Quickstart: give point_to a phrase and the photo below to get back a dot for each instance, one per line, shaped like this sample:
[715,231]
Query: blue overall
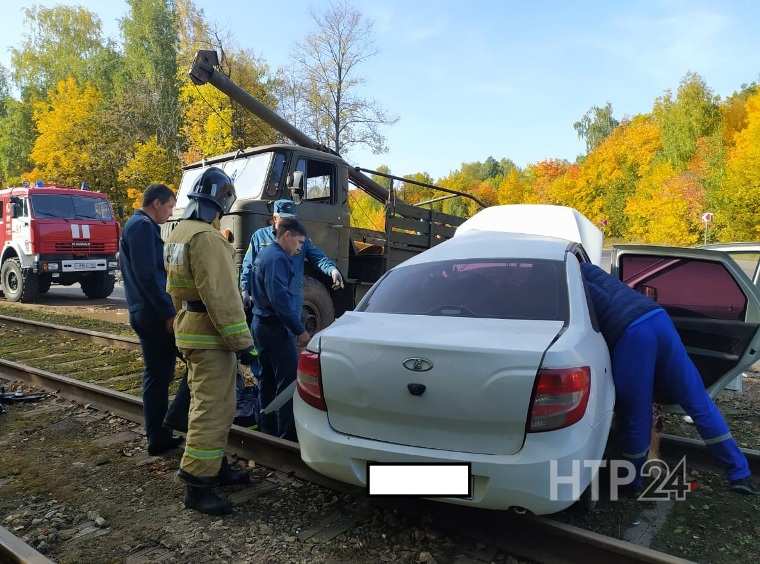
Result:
[647,355]
[263,238]
[276,319]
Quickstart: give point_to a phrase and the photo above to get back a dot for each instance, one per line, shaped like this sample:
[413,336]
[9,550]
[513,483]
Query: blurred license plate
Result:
[428,480]
[79,265]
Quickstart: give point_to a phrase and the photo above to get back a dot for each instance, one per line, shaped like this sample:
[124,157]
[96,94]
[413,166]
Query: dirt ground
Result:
[77,484]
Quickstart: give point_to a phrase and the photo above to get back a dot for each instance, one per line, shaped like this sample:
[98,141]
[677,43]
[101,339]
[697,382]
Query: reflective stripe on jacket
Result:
[200,267]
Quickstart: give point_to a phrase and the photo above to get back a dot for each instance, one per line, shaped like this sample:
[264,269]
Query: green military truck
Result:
[318,180]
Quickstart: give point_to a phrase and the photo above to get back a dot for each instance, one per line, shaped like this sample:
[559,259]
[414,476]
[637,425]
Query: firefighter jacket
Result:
[201,276]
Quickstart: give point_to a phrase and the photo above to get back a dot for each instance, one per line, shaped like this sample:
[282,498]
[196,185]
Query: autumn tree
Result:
[738,216]
[150,163]
[329,60]
[67,127]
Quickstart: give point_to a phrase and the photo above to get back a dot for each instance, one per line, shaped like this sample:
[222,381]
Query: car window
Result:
[483,288]
[319,177]
[685,287]
[747,261]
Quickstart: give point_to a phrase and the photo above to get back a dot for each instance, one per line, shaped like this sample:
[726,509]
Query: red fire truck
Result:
[56,235]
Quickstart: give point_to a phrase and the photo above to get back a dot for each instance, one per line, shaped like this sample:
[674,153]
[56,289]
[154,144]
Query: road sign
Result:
[707,217]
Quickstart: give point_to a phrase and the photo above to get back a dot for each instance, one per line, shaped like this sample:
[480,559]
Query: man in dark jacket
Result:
[647,355]
[151,313]
[277,323]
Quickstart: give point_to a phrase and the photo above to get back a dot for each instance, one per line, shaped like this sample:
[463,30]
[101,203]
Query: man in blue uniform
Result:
[276,319]
[151,313]
[647,355]
[261,238]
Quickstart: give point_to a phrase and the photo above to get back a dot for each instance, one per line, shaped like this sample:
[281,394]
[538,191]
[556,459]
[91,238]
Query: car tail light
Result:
[310,380]
[559,398]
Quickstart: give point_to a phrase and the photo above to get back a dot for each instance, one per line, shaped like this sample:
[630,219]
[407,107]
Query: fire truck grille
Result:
[85,247]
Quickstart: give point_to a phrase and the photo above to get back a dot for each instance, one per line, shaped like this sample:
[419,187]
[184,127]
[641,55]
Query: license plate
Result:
[82,265]
[425,480]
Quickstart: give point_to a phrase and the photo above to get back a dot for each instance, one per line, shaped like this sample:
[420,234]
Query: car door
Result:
[711,300]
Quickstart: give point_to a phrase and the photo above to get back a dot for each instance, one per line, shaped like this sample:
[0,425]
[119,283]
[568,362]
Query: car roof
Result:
[493,244]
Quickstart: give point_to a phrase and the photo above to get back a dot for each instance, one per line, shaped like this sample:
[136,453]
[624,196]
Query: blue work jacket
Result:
[141,258]
[273,296]
[265,237]
[616,305]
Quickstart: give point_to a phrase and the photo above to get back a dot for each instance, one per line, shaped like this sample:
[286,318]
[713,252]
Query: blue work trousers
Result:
[279,362]
[650,356]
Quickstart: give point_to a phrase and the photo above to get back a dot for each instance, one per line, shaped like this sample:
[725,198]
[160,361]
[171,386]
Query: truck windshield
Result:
[65,206]
[248,174]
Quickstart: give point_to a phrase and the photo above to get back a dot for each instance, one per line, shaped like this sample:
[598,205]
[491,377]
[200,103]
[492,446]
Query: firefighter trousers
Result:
[211,379]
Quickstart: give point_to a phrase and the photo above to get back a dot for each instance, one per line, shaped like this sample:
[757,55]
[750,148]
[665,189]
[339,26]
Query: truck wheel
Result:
[45,281]
[18,286]
[98,285]
[318,310]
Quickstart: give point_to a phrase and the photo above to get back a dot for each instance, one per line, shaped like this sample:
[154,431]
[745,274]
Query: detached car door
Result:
[711,300]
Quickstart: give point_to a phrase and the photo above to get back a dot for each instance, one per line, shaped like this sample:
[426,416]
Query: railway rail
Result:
[535,538]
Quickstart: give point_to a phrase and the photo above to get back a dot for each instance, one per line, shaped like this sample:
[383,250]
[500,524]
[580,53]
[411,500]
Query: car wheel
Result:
[18,286]
[98,286]
[318,310]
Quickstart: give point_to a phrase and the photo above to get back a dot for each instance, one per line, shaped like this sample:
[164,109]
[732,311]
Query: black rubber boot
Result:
[201,496]
[743,486]
[229,476]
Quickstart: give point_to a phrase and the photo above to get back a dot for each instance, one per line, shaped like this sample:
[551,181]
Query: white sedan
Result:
[482,350]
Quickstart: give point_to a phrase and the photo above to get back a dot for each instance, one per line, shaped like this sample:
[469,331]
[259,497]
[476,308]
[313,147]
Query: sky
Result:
[469,80]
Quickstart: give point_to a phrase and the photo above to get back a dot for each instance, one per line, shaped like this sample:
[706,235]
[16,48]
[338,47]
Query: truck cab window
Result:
[275,176]
[319,177]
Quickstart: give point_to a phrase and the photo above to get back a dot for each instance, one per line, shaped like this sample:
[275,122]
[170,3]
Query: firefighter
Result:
[647,356]
[276,320]
[261,238]
[210,329]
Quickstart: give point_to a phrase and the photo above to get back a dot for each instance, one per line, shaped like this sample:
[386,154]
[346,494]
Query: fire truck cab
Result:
[56,235]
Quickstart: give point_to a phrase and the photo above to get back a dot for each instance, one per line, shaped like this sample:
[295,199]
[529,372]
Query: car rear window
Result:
[492,288]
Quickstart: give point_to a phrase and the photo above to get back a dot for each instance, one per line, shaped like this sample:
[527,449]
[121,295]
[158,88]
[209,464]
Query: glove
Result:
[248,356]
[337,279]
[247,301]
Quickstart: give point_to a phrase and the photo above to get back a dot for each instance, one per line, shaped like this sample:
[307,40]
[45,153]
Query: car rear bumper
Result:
[519,480]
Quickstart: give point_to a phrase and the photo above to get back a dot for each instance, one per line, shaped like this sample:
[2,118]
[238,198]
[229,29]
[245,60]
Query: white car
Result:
[483,350]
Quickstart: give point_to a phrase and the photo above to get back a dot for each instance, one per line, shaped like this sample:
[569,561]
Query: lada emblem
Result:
[418,364]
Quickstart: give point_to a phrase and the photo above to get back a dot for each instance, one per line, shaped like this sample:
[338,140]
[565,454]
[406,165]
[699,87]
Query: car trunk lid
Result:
[473,378]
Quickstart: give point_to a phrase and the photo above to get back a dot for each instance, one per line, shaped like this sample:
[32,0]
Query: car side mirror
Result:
[16,209]
[648,291]
[295,186]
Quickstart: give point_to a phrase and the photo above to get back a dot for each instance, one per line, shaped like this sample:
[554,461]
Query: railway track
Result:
[536,538]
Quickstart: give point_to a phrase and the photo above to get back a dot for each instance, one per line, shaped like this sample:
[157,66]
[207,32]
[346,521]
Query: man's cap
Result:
[285,208]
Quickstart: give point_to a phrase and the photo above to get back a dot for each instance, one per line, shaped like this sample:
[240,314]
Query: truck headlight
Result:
[113,264]
[52,265]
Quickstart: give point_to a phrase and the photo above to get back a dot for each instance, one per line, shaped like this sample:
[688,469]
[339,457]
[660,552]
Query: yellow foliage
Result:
[739,196]
[150,163]
[665,208]
[67,126]
[207,121]
[365,212]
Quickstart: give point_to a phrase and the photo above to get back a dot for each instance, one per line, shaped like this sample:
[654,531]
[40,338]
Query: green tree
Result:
[150,63]
[595,126]
[61,41]
[17,134]
[692,114]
